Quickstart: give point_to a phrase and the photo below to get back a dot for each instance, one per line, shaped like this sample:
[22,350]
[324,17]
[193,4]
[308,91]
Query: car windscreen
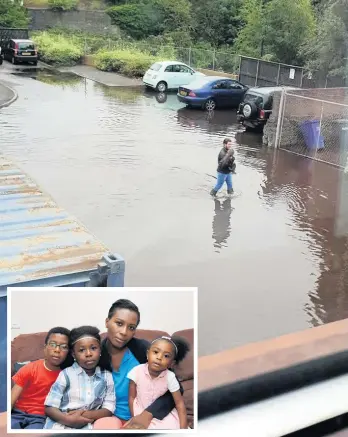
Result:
[26,45]
[156,67]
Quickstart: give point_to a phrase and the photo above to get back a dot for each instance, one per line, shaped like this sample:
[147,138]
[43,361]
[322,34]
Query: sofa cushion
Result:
[184,370]
[27,347]
[188,399]
[150,335]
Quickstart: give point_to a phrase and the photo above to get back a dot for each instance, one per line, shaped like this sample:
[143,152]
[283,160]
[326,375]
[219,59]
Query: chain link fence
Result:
[315,128]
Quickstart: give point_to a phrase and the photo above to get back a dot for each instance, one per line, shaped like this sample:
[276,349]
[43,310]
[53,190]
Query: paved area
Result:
[6,94]
[105,78]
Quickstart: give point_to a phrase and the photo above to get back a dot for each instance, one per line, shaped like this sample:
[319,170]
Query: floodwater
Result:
[136,168]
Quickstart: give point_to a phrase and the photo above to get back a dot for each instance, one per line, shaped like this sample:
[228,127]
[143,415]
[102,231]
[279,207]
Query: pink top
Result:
[149,389]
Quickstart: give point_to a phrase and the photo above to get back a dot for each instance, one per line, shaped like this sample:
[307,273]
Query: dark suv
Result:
[20,50]
[256,107]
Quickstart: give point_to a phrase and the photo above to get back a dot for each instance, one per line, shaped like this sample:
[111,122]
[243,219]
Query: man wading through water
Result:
[226,166]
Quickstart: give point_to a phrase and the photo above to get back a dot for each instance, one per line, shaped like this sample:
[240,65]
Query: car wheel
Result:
[35,63]
[162,87]
[210,105]
[249,110]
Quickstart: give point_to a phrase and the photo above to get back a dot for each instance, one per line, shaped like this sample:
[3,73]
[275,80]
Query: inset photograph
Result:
[102,359]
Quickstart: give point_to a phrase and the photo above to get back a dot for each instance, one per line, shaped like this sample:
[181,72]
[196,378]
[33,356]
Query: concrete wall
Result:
[34,310]
[89,21]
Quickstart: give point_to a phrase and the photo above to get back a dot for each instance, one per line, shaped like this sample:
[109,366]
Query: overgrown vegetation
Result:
[13,14]
[62,5]
[57,49]
[130,63]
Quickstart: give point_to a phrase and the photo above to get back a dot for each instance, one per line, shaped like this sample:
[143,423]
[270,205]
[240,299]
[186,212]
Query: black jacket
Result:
[226,162]
[164,404]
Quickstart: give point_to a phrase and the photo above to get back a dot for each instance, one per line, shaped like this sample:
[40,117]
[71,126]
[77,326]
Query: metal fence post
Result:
[278,76]
[214,59]
[301,78]
[190,52]
[240,66]
[280,120]
[257,72]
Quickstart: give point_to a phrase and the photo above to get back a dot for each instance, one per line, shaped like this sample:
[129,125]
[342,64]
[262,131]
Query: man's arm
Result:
[15,393]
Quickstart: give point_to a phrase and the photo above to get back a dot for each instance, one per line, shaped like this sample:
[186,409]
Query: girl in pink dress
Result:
[151,380]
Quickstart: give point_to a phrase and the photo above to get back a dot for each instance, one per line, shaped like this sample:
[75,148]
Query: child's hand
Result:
[76,419]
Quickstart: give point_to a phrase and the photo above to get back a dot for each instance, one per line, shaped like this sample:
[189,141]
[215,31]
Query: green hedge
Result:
[57,50]
[62,5]
[130,63]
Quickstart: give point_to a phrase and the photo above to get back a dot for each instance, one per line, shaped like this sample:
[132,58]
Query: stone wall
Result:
[88,21]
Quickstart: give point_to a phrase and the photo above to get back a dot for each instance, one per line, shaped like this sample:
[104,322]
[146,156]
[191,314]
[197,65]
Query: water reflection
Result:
[222,222]
[317,196]
[122,94]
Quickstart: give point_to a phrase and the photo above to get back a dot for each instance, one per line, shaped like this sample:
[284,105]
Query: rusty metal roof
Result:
[39,240]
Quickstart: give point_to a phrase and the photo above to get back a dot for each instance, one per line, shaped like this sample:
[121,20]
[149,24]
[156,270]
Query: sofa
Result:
[29,347]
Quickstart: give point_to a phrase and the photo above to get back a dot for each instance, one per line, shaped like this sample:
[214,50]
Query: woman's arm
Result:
[131,396]
[15,393]
[180,406]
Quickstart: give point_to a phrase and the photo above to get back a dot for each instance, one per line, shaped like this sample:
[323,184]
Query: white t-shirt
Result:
[173,384]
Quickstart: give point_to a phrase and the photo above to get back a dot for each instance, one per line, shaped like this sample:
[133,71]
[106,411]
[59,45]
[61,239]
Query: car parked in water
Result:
[256,107]
[212,92]
[20,50]
[169,75]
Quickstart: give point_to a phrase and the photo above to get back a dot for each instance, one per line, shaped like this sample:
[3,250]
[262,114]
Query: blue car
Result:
[211,92]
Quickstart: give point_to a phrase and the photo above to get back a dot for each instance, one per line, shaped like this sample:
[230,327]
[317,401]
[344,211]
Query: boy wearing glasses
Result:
[33,382]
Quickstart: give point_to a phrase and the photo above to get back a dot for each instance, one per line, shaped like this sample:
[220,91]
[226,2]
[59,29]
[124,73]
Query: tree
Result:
[216,21]
[287,25]
[13,14]
[249,40]
[275,29]
[326,52]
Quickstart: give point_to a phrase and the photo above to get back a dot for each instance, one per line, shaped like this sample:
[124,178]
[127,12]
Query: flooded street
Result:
[137,169]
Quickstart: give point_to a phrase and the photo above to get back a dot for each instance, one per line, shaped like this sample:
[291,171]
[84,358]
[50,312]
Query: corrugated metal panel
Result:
[38,239]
